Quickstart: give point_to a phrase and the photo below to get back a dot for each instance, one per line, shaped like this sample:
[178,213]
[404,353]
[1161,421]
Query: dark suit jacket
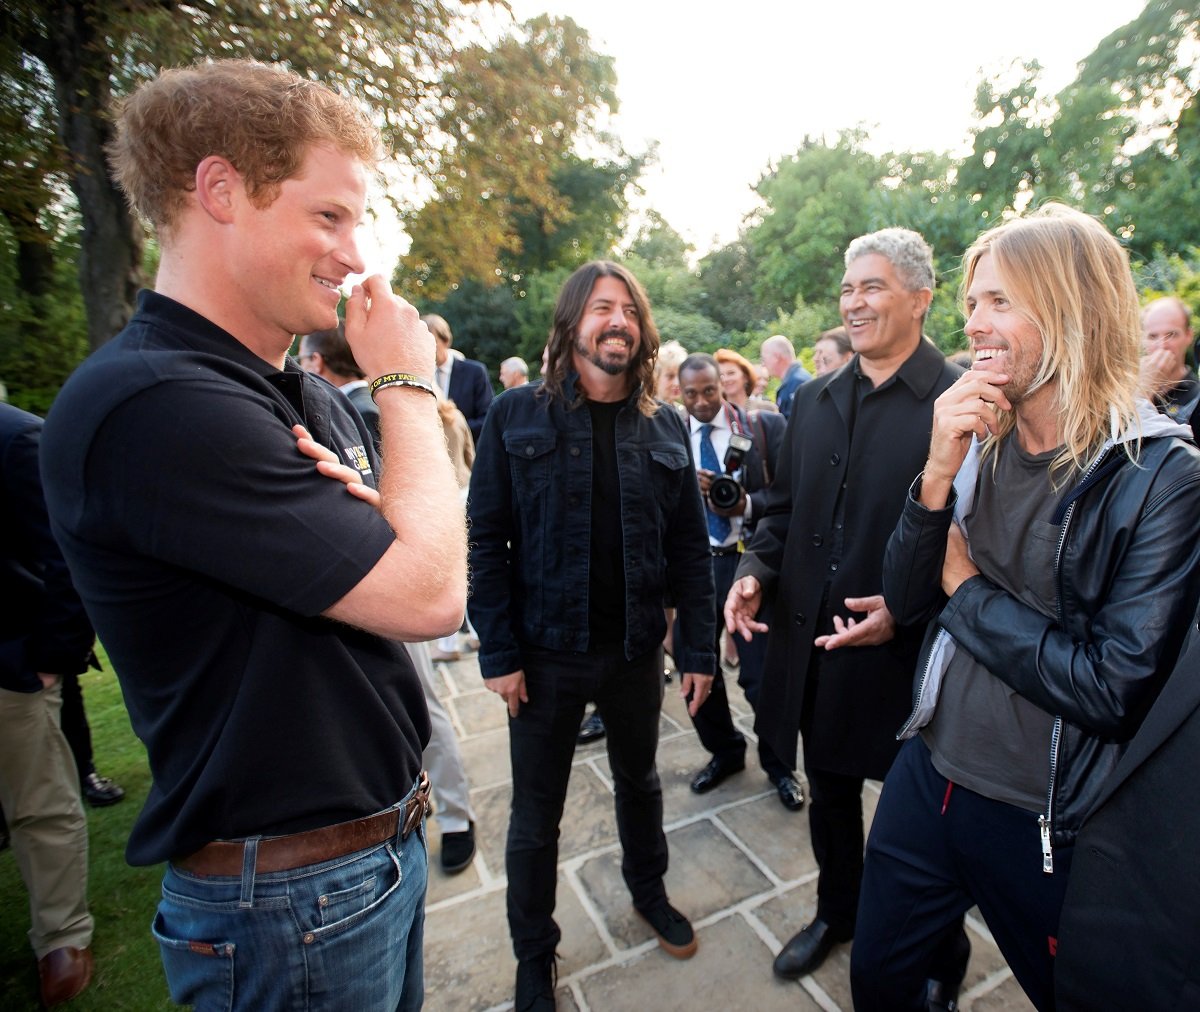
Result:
[827,522]
[1129,937]
[365,405]
[471,391]
[43,627]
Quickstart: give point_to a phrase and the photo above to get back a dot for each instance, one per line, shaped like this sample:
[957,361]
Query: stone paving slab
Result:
[741,868]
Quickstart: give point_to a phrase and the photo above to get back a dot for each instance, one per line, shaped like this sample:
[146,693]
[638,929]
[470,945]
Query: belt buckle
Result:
[417,806]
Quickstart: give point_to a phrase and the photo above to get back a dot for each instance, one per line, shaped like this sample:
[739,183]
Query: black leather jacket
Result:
[1127,571]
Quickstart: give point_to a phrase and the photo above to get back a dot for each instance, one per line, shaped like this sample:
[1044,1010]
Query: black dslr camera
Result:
[725,491]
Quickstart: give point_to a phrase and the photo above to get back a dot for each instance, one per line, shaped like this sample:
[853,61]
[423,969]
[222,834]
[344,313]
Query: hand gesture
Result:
[386,333]
[965,410]
[741,607]
[878,626]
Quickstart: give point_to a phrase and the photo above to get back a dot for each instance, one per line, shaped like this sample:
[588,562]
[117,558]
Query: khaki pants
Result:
[39,791]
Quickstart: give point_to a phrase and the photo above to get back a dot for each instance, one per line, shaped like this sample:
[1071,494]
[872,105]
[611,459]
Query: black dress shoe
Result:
[592,728]
[806,951]
[940,997]
[790,794]
[716,771]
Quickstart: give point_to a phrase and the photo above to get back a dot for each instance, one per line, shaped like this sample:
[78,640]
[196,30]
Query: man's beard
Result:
[596,356]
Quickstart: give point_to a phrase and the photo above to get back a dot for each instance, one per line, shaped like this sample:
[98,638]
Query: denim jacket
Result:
[530,535]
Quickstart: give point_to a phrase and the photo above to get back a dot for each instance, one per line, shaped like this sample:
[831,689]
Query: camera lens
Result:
[724,492]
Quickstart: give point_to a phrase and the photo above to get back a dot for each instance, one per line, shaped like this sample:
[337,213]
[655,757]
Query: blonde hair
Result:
[1065,274]
[670,356]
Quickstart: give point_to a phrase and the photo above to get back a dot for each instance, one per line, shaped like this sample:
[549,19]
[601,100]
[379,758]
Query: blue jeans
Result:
[343,934]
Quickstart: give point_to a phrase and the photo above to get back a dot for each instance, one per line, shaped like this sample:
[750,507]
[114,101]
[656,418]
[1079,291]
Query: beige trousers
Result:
[39,791]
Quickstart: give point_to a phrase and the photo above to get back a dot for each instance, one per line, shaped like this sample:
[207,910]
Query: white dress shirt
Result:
[720,434]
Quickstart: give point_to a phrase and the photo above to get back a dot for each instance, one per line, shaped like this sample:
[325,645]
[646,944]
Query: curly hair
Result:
[569,310]
[908,253]
[262,118]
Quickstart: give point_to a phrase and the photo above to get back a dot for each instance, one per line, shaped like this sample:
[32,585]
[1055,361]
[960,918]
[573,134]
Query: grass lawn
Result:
[123,899]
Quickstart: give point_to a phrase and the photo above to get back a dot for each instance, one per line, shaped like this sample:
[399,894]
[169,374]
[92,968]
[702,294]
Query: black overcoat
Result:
[829,515]
[1129,936]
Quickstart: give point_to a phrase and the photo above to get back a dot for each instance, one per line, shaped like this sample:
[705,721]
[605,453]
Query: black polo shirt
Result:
[205,548]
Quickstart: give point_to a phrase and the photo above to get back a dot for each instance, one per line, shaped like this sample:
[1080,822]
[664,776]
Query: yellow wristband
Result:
[401,379]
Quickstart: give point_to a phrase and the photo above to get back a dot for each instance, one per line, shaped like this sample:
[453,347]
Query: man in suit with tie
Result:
[463,381]
[712,425]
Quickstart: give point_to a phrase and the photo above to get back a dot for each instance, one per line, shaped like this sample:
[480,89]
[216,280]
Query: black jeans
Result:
[628,696]
[835,821]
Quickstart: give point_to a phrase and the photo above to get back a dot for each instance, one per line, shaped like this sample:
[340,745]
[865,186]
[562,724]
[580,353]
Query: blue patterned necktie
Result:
[718,527]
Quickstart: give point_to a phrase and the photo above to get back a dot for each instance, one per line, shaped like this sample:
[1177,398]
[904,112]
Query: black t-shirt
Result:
[205,547]
[606,568]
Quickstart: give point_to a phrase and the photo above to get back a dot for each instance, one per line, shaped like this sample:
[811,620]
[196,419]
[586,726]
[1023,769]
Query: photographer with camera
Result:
[736,453]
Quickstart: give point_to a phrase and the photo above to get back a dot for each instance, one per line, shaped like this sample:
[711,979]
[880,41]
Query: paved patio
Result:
[741,868]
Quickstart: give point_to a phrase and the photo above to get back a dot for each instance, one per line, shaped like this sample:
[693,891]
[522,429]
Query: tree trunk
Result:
[112,241]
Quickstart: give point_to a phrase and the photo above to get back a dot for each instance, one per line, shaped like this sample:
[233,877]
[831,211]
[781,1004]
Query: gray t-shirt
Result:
[984,735]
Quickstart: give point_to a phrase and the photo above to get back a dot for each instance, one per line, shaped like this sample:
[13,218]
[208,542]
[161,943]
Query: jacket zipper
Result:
[921,685]
[1046,821]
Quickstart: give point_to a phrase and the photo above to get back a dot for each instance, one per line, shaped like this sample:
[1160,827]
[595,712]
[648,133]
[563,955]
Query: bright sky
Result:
[727,88]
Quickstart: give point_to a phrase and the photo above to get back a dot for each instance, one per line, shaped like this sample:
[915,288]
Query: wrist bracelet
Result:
[401,379]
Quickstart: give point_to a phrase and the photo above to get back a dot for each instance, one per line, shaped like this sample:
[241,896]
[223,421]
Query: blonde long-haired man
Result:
[1053,632]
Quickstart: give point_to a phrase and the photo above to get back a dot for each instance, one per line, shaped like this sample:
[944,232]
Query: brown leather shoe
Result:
[64,973]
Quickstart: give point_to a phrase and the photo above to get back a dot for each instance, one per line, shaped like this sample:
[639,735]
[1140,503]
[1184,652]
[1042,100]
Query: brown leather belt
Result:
[283,853]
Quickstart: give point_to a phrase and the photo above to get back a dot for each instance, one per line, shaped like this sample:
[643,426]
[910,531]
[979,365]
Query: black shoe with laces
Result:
[674,931]
[536,978]
[99,791]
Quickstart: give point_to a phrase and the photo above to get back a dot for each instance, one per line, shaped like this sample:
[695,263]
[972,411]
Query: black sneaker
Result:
[536,978]
[674,931]
[458,850]
[99,791]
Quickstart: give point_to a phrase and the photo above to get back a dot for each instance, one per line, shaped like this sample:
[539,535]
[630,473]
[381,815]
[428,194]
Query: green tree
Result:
[505,176]
[816,202]
[727,287]
[87,52]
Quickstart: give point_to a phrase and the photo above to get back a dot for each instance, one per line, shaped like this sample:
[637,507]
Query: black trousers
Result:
[75,725]
[628,695]
[935,851]
[713,721]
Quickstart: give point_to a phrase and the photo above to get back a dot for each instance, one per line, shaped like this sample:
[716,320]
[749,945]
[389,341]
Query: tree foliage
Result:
[83,53]
[508,186]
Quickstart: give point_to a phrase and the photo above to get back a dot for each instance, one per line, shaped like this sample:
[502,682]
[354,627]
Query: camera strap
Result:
[756,431]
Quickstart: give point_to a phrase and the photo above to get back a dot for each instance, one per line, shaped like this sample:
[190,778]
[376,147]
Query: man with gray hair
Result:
[514,372]
[839,670]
